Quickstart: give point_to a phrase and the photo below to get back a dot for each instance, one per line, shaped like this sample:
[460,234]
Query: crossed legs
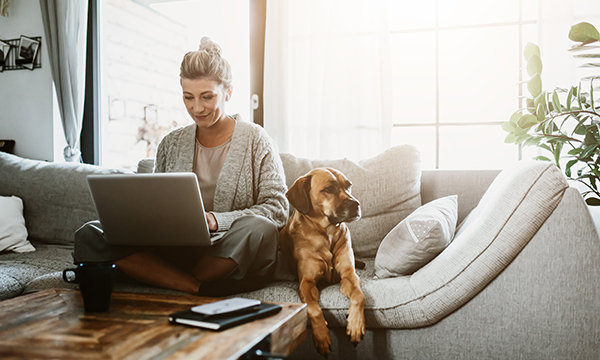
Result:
[247,250]
[151,269]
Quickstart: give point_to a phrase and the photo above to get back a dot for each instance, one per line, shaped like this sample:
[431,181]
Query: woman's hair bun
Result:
[206,62]
[206,44]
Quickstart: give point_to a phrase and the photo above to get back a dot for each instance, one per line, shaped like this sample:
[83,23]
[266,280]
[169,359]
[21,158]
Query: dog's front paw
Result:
[355,329]
[322,339]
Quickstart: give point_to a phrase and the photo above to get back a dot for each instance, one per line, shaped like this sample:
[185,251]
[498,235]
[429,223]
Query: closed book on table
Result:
[224,321]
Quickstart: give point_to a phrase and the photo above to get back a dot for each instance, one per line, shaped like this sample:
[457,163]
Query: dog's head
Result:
[324,192]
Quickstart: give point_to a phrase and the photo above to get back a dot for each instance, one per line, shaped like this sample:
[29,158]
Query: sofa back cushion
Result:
[387,185]
[55,196]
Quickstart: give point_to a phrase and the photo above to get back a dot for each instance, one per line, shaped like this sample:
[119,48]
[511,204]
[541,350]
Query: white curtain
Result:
[65,26]
[328,83]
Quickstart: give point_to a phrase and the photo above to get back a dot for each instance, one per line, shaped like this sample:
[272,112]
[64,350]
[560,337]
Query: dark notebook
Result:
[224,321]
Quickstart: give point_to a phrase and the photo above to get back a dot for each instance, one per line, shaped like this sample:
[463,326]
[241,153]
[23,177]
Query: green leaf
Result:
[584,47]
[530,105]
[569,166]
[532,141]
[541,158]
[540,113]
[570,97]
[557,152]
[590,139]
[556,102]
[508,126]
[534,65]
[546,147]
[575,151]
[541,100]
[520,131]
[587,56]
[592,201]
[587,152]
[534,85]
[514,118]
[511,138]
[521,139]
[527,121]
[531,49]
[584,32]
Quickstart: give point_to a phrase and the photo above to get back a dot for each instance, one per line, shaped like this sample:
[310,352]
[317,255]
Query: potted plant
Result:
[564,122]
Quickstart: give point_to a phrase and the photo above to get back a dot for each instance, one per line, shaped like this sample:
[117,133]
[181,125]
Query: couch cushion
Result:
[55,196]
[510,213]
[19,270]
[13,233]
[387,186]
[417,239]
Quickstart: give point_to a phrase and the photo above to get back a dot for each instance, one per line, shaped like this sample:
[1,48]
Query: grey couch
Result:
[521,279]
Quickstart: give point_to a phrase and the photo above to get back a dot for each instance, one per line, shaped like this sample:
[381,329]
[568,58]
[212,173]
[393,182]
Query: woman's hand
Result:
[212,222]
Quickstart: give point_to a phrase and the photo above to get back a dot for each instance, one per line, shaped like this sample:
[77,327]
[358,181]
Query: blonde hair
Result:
[206,62]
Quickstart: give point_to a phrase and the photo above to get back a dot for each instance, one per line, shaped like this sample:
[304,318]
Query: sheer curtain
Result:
[65,26]
[327,86]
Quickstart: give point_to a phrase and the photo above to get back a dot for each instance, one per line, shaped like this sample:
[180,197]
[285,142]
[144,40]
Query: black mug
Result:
[95,281]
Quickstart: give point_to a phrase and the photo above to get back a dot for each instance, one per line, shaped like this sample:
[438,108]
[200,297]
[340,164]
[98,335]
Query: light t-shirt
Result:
[208,163]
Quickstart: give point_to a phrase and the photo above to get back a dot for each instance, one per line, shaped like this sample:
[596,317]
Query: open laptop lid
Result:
[159,209]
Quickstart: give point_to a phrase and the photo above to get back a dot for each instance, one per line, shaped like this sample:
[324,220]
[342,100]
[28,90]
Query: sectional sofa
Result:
[519,280]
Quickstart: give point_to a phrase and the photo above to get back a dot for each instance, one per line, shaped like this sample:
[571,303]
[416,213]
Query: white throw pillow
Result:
[13,233]
[418,239]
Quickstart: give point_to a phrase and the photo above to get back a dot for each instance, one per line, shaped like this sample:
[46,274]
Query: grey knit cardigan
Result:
[252,180]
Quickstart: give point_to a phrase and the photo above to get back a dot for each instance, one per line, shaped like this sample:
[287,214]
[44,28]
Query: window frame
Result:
[437,125]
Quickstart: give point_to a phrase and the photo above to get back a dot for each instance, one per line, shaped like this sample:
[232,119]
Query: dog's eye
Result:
[329,190]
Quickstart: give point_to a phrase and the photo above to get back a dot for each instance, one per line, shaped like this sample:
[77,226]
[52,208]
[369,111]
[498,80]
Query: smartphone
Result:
[225,306]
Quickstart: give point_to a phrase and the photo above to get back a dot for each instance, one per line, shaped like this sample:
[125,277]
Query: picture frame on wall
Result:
[4,52]
[27,52]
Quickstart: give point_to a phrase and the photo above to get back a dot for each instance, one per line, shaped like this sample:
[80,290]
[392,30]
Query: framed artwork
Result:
[27,52]
[4,52]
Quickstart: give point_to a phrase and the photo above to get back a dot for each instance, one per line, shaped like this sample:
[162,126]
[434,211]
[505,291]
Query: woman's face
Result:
[205,100]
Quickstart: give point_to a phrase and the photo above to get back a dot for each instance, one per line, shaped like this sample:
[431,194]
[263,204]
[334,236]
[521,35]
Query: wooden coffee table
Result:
[52,324]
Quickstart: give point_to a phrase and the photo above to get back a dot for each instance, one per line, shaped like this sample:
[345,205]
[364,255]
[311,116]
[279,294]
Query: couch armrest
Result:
[469,185]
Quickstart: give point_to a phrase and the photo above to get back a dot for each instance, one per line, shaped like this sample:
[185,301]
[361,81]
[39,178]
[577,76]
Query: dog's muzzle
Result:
[347,211]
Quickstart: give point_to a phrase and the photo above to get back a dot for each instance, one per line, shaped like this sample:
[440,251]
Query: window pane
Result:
[405,15]
[413,74]
[423,137]
[475,147]
[470,12]
[478,74]
[530,10]
[588,10]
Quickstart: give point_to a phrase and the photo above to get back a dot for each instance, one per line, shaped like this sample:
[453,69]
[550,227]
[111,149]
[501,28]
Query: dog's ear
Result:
[299,194]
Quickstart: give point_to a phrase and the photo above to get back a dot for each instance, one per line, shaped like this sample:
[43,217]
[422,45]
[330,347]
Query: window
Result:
[456,68]
[456,72]
[142,44]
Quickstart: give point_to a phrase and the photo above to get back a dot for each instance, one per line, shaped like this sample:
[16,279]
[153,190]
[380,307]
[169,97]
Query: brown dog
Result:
[316,244]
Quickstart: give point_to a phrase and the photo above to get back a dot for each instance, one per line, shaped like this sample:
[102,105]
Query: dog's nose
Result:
[352,206]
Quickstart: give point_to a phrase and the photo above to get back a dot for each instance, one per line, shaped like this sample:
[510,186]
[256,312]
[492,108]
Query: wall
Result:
[141,96]
[26,97]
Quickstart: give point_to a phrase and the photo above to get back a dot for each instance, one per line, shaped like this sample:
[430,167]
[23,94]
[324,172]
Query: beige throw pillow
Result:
[418,239]
[13,233]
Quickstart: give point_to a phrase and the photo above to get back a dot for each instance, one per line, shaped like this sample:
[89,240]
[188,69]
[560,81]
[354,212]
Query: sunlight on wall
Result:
[142,48]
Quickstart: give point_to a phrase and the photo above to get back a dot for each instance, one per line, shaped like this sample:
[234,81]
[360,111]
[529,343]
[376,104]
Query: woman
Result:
[243,190]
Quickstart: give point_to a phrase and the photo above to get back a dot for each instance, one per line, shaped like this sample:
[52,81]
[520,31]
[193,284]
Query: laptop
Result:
[159,209]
